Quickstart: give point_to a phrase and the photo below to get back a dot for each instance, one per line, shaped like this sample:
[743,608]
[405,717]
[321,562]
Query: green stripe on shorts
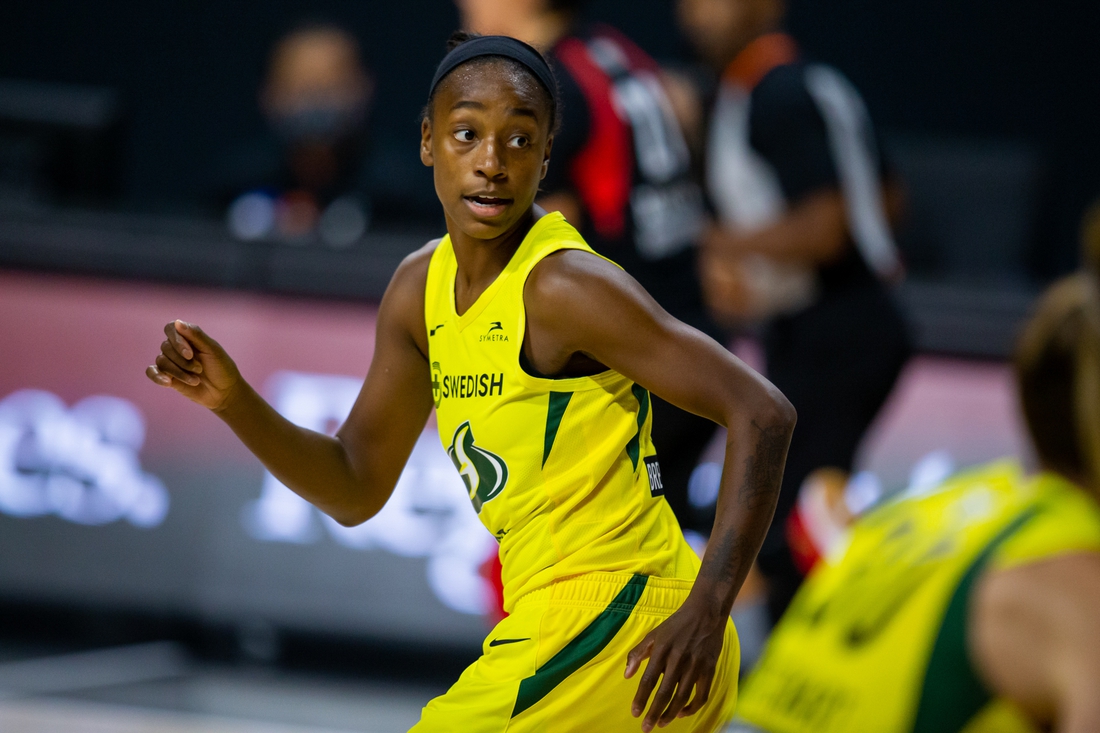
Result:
[583,648]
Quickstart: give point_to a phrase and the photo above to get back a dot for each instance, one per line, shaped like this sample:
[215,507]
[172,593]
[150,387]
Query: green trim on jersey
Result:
[582,649]
[952,694]
[633,447]
[555,411]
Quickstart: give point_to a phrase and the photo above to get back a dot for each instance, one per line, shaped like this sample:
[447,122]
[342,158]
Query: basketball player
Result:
[538,356]
[972,607]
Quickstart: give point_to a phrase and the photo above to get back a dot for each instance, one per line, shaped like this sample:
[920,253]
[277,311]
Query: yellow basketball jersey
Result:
[561,471]
[876,639]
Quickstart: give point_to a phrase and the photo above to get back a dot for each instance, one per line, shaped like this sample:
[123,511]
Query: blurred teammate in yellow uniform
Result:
[972,607]
[538,356]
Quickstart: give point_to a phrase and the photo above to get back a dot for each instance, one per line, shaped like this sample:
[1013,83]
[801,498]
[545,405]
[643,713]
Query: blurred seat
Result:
[972,207]
[60,142]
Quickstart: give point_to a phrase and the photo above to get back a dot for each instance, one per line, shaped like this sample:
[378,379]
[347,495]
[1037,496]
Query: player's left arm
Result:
[578,303]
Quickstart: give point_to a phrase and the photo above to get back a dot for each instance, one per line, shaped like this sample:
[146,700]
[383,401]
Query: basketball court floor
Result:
[159,688]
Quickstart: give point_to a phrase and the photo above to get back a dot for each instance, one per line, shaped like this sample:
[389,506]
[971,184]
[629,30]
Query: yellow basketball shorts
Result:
[557,663]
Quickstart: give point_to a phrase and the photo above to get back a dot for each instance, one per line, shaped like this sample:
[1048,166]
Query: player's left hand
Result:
[683,653]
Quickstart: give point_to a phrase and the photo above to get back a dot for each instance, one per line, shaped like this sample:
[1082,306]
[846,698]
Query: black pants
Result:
[680,438]
[837,362]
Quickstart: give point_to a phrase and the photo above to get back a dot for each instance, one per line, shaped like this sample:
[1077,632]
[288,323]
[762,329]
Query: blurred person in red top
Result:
[621,172]
[803,241]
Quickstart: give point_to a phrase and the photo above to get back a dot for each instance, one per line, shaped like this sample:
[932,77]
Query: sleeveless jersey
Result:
[561,471]
[876,639]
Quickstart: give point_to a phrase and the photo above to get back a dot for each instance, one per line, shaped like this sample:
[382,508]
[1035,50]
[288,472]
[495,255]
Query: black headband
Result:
[506,46]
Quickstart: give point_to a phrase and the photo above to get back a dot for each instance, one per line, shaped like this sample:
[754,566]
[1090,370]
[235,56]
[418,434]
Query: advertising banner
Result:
[117,492]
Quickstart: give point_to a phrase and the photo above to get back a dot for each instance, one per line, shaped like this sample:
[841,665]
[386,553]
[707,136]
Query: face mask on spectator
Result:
[320,123]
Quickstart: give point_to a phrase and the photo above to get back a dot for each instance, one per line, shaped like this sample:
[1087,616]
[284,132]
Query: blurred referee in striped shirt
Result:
[803,241]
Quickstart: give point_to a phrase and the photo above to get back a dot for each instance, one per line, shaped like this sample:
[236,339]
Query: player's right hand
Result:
[195,365]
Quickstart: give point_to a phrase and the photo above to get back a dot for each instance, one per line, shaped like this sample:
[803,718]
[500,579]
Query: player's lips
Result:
[487,206]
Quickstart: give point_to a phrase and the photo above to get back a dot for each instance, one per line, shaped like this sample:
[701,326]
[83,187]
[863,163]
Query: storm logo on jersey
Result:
[484,473]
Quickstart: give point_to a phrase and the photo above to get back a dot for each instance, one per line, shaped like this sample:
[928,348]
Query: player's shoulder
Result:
[413,270]
[420,258]
[409,282]
[576,282]
[569,268]
[403,303]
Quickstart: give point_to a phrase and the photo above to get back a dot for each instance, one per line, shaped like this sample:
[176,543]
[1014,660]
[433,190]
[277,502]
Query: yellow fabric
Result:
[1068,524]
[595,697]
[999,716]
[857,649]
[579,503]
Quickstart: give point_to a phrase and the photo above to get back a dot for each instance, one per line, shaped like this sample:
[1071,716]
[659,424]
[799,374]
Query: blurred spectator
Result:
[306,176]
[620,171]
[1090,237]
[803,242]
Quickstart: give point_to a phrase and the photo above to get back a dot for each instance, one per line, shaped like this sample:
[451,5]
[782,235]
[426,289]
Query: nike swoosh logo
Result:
[498,642]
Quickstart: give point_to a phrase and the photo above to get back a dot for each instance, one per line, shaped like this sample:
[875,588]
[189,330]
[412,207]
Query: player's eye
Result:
[466,136]
[519,141]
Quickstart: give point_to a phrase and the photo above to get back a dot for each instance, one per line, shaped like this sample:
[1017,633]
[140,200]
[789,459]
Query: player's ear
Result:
[426,142]
[546,156]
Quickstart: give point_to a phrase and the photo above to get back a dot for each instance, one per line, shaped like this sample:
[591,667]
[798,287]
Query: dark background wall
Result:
[993,70]
[1001,70]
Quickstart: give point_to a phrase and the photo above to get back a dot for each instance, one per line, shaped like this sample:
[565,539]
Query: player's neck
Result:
[480,261]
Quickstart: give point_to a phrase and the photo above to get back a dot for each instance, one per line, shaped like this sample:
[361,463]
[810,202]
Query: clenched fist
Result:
[195,365]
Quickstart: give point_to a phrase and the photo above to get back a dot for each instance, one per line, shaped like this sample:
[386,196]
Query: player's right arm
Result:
[1035,639]
[349,476]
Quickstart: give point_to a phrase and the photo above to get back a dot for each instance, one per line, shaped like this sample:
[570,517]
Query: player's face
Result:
[489,141]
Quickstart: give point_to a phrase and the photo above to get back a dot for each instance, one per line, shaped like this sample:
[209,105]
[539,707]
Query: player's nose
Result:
[490,160]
